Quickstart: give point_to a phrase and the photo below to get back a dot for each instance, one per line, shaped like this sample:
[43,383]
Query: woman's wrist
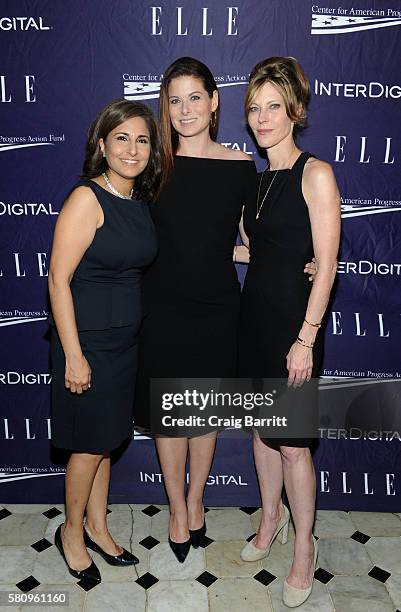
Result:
[302,342]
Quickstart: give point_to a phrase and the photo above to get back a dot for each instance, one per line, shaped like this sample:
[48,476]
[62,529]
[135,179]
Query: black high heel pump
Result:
[126,557]
[89,573]
[196,535]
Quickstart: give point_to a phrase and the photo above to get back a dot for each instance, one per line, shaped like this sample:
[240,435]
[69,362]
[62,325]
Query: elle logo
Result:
[182,28]
[364,155]
[5,95]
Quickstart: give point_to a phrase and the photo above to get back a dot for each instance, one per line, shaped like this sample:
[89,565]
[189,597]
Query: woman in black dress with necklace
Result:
[293,214]
[104,238]
[191,291]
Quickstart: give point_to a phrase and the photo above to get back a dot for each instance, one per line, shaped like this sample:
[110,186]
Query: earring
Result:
[213,119]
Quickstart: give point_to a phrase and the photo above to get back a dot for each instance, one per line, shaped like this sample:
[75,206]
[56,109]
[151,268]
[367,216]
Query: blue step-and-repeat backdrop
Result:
[60,63]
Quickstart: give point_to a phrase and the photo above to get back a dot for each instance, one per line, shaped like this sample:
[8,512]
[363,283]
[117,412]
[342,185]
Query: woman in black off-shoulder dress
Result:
[191,292]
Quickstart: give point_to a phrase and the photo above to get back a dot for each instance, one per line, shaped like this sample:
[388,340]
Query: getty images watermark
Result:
[198,400]
[193,407]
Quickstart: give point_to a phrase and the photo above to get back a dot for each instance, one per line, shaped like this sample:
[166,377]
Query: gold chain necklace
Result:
[259,208]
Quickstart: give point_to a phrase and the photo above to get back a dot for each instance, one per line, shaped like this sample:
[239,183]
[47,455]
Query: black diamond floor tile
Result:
[251,537]
[149,542]
[87,584]
[4,513]
[207,510]
[41,545]
[264,577]
[151,510]
[109,511]
[323,575]
[147,580]
[206,579]
[51,513]
[379,574]
[28,584]
[249,510]
[205,541]
[360,537]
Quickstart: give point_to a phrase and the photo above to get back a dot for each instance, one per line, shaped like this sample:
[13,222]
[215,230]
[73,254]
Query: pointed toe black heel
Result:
[180,549]
[196,535]
[126,557]
[89,573]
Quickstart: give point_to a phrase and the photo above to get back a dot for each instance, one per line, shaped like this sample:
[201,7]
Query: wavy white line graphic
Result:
[9,477]
[4,147]
[326,383]
[329,24]
[18,320]
[130,87]
[348,211]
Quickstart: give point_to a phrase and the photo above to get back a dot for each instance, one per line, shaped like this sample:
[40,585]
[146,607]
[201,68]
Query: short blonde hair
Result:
[287,75]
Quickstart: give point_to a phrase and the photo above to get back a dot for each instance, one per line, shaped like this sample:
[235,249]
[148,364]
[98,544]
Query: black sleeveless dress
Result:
[276,290]
[106,290]
[191,291]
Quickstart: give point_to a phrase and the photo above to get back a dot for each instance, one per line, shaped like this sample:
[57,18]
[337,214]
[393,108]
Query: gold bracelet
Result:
[303,343]
[235,254]
[313,324]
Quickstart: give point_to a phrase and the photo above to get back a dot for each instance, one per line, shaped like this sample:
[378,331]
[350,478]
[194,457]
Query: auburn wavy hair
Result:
[184,66]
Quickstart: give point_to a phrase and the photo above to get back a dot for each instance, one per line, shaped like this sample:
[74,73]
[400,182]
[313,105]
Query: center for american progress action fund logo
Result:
[353,19]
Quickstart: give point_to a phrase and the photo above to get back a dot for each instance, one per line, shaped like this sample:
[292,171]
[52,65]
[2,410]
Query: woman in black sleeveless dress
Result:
[191,292]
[104,238]
[293,214]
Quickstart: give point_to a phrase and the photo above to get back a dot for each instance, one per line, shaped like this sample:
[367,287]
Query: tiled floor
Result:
[359,568]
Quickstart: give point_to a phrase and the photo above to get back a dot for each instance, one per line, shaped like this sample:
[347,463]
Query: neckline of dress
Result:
[134,201]
[212,158]
[287,169]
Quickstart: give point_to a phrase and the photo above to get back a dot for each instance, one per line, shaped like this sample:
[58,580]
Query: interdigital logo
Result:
[364,267]
[22,24]
[27,209]
[20,378]
[344,21]
[356,90]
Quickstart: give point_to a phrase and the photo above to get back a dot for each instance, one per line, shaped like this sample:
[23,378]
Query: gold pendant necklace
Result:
[259,208]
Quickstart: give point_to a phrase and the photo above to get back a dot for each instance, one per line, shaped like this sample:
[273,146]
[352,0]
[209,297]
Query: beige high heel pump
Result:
[293,597]
[252,553]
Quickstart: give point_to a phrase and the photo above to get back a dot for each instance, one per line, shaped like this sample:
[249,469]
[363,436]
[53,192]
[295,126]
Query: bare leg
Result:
[80,474]
[300,485]
[201,450]
[172,456]
[270,475]
[96,510]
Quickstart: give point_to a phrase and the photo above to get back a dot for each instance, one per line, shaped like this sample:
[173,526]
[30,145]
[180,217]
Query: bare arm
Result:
[241,251]
[74,232]
[323,200]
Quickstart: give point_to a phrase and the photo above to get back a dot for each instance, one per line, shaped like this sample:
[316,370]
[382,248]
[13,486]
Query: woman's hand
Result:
[299,365]
[311,269]
[241,254]
[77,374]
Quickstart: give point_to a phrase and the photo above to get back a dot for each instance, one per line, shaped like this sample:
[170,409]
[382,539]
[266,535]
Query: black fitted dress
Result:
[276,290]
[191,291]
[107,302]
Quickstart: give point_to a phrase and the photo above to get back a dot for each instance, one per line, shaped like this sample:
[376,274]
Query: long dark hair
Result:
[184,66]
[147,184]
